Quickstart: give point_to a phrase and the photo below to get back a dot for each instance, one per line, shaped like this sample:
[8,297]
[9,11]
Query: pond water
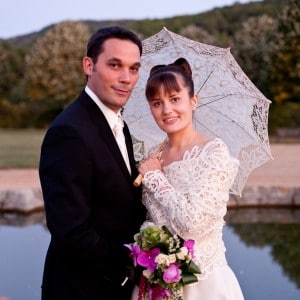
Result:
[263,249]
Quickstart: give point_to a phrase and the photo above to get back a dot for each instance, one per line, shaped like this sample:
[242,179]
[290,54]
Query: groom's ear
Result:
[87,64]
[183,64]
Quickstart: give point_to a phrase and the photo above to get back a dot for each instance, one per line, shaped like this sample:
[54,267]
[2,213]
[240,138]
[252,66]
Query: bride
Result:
[186,183]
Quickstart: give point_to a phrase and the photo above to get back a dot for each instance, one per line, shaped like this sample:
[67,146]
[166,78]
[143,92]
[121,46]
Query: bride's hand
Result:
[150,164]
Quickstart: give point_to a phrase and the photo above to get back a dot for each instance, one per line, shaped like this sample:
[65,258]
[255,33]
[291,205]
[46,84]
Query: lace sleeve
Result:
[190,195]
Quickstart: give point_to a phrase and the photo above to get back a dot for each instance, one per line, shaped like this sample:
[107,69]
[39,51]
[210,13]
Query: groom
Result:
[92,208]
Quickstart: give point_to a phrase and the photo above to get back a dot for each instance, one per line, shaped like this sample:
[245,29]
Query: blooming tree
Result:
[199,34]
[286,58]
[54,65]
[253,47]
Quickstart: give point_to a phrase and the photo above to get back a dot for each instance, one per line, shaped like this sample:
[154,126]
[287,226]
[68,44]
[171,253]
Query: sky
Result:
[18,17]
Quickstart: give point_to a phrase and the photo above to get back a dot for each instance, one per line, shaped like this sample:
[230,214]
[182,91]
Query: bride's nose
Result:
[167,108]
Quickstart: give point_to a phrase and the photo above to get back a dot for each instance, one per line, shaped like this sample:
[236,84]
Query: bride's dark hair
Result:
[164,75]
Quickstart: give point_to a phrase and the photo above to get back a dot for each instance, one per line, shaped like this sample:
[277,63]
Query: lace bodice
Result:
[190,198]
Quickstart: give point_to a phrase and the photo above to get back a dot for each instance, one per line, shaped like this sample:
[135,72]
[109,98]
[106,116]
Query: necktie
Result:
[120,138]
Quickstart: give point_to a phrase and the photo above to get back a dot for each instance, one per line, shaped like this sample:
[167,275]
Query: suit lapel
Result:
[98,118]
[130,150]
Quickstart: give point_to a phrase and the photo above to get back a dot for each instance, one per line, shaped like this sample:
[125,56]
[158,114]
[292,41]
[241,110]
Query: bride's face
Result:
[173,110]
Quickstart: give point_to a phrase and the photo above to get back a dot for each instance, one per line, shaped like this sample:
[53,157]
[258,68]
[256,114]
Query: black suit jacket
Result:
[92,208]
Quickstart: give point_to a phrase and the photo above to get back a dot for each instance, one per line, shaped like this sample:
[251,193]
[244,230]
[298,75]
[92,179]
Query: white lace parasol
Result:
[230,106]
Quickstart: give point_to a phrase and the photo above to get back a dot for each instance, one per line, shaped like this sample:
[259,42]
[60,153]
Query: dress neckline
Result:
[186,152]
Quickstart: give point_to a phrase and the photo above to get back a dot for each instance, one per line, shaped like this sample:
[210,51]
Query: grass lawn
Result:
[20,148]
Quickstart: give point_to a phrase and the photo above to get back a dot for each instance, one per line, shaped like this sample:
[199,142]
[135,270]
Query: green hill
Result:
[220,22]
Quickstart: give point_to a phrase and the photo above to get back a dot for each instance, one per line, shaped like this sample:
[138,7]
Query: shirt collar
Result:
[111,116]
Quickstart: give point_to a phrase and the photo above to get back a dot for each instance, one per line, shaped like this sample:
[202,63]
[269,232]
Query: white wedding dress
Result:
[190,197]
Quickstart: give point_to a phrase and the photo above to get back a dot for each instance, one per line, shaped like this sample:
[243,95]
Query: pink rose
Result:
[172,273]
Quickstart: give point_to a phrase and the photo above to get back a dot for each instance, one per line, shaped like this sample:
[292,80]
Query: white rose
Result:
[183,252]
[171,258]
[147,273]
[162,259]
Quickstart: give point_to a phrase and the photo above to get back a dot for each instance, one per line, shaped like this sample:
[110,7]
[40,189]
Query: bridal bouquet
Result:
[166,261]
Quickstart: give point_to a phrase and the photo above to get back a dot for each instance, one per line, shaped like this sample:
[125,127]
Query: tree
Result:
[12,73]
[253,46]
[199,34]
[286,59]
[54,65]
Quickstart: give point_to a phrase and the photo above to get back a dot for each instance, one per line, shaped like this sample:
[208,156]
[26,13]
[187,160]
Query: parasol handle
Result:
[137,182]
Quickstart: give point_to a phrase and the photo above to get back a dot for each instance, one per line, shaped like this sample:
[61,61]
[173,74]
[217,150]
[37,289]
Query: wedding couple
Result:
[87,173]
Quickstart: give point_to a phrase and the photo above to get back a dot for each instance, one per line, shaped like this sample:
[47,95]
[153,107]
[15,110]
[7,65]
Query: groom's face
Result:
[114,75]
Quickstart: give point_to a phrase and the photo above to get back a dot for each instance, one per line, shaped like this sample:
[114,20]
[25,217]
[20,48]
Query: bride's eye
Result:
[175,99]
[155,103]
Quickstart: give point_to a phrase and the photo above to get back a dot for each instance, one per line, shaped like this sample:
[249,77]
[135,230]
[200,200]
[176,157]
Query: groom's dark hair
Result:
[97,39]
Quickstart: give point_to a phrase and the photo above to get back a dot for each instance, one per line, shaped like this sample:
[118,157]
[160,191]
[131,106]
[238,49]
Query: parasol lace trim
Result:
[231,107]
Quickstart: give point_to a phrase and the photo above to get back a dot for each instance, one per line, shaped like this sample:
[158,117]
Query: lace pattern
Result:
[230,107]
[190,197]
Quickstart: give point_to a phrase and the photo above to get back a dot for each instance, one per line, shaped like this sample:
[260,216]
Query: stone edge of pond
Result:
[266,196]
[24,200]
[28,200]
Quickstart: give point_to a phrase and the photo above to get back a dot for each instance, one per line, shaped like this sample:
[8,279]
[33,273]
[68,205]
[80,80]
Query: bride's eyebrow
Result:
[154,99]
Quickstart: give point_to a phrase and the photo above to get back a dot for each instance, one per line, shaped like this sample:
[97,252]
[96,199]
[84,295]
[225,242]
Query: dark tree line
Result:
[41,73]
